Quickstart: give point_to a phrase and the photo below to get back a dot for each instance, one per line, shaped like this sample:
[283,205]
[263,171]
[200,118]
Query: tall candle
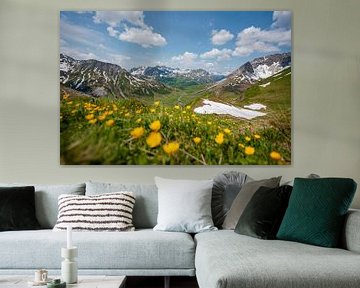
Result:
[69,237]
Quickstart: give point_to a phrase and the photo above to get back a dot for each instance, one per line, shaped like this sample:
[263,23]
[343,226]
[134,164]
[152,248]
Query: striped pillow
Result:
[105,212]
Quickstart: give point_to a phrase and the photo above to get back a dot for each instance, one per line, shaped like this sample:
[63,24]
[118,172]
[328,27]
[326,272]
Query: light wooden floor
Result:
[158,282]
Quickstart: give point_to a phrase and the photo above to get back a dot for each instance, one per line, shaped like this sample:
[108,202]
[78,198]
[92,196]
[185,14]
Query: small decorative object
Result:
[69,265]
[56,283]
[41,275]
[41,278]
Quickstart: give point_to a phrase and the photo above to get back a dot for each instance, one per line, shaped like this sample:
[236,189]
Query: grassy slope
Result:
[82,143]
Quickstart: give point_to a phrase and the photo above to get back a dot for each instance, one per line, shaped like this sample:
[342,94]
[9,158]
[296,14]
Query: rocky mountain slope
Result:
[253,71]
[104,79]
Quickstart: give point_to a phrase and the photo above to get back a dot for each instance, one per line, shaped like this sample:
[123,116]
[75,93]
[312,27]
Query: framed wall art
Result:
[175,87]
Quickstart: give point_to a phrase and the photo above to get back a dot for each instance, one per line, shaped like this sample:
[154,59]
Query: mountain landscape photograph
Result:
[175,87]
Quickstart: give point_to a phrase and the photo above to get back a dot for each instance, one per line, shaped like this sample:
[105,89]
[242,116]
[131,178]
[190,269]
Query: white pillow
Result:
[104,212]
[184,205]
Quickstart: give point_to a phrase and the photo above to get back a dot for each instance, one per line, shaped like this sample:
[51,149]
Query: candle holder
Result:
[69,271]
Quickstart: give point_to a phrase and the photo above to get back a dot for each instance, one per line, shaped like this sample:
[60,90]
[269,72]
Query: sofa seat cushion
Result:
[142,249]
[225,259]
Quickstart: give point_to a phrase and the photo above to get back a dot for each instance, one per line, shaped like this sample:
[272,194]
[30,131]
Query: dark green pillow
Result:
[263,214]
[17,208]
[316,211]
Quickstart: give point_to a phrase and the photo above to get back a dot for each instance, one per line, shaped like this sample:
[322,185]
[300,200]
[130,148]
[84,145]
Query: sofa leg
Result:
[167,282]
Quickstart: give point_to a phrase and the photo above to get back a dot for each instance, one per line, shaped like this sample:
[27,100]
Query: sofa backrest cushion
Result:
[146,204]
[46,200]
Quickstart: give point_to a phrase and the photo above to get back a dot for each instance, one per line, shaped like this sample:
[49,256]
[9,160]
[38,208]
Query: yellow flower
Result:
[227,131]
[152,110]
[197,140]
[66,96]
[137,132]
[184,112]
[177,107]
[219,139]
[155,126]
[249,150]
[138,120]
[102,117]
[241,145]
[92,121]
[110,123]
[247,138]
[209,122]
[138,111]
[188,107]
[154,139]
[156,103]
[171,147]
[110,112]
[275,155]
[257,136]
[127,114]
[69,103]
[73,111]
[89,116]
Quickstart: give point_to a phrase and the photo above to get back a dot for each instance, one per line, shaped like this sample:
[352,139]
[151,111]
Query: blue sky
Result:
[218,41]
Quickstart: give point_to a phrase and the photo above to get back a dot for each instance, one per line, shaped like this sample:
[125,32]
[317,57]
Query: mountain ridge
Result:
[98,79]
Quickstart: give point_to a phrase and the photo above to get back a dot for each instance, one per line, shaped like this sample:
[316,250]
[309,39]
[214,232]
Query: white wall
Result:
[326,91]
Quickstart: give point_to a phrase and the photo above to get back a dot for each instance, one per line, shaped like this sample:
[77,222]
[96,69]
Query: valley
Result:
[103,104]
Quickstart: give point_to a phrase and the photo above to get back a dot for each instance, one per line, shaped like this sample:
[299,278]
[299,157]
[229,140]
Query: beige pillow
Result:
[243,198]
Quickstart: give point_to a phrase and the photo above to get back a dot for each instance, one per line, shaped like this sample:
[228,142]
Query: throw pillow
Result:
[184,205]
[146,205]
[46,200]
[17,208]
[263,215]
[317,209]
[243,198]
[311,176]
[106,212]
[226,187]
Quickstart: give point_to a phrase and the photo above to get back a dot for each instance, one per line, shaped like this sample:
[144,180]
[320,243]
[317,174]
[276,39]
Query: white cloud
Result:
[78,55]
[281,19]
[216,53]
[118,59]
[114,18]
[221,37]
[142,36]
[254,39]
[84,12]
[138,33]
[186,57]
[112,32]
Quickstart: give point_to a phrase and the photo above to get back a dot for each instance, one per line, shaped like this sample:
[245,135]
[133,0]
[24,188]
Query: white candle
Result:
[69,237]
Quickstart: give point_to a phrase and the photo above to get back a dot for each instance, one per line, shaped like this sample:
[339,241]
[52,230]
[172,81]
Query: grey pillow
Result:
[226,187]
[243,198]
[146,206]
[310,176]
[184,205]
[46,200]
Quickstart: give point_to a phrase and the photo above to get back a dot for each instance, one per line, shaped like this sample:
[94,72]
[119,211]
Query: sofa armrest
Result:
[351,234]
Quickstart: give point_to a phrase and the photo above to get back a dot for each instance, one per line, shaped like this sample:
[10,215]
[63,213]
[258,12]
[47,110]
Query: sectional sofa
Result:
[219,259]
